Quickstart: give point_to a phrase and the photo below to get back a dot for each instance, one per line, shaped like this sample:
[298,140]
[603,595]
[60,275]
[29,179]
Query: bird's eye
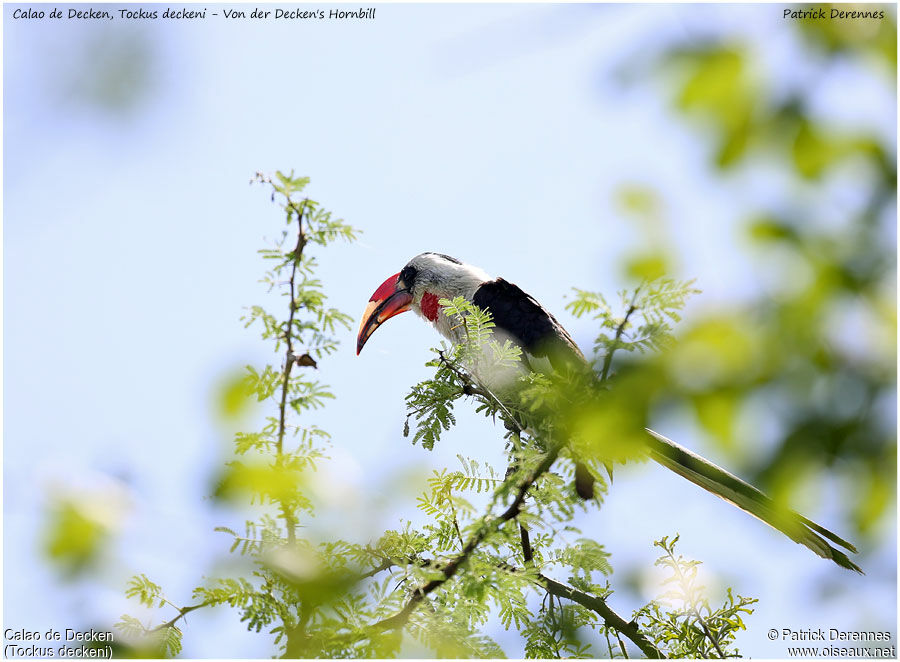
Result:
[408,276]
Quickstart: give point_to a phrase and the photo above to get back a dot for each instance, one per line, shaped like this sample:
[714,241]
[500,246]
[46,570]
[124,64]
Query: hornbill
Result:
[546,347]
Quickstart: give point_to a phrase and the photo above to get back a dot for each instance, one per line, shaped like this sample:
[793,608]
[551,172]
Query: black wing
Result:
[528,322]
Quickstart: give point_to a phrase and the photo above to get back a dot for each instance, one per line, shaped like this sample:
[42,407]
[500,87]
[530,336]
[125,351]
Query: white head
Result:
[422,282]
[440,275]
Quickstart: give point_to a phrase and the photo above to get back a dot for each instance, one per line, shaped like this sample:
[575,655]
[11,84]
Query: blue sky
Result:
[494,133]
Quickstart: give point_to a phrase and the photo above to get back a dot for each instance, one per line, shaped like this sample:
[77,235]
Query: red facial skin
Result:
[430,306]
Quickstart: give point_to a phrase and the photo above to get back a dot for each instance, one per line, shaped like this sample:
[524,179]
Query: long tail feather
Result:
[729,487]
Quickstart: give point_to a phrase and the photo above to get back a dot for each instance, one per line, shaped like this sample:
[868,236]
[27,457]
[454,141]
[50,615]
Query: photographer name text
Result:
[819,13]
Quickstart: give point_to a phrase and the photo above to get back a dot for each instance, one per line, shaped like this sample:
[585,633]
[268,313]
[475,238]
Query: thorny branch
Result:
[289,359]
[182,612]
[592,602]
[611,618]
[554,588]
[449,570]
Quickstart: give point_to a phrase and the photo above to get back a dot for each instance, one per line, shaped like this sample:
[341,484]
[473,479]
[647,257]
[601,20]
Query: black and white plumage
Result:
[535,330]
[546,346]
[429,277]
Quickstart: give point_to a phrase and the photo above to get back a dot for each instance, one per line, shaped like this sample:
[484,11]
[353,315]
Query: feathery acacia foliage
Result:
[682,616]
[499,544]
[656,304]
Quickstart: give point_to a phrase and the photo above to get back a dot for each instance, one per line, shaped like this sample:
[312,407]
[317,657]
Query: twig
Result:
[709,634]
[524,536]
[609,646]
[597,605]
[607,360]
[462,543]
[611,618]
[289,519]
[449,570]
[527,552]
[182,612]
[553,588]
[685,583]
[387,563]
[474,387]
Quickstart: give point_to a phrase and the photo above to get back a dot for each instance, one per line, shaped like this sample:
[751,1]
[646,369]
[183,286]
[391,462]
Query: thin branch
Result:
[611,618]
[709,634]
[527,552]
[449,570]
[524,536]
[289,519]
[456,526]
[553,588]
[622,646]
[597,605]
[685,584]
[607,360]
[384,565]
[474,387]
[609,646]
[182,612]
[449,497]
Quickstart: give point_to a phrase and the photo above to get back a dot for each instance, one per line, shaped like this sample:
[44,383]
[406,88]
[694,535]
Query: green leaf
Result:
[140,587]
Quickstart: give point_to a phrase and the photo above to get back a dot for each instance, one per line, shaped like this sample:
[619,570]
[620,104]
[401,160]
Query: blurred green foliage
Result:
[643,205]
[112,69]
[875,40]
[815,352]
[77,531]
[236,396]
